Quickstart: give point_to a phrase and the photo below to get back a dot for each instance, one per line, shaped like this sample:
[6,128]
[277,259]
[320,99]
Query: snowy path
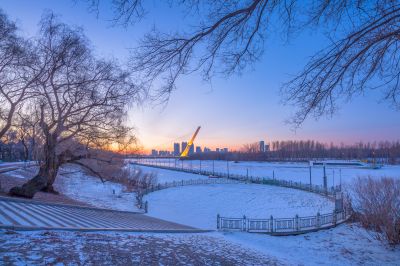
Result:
[24,214]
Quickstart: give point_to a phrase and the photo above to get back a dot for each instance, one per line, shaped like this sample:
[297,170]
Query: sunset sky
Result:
[233,111]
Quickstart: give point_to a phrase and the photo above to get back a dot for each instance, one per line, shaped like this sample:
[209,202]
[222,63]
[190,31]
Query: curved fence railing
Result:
[189,182]
[283,226]
[328,191]
[272,226]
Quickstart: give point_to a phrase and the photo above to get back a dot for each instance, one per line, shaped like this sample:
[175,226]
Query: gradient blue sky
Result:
[233,111]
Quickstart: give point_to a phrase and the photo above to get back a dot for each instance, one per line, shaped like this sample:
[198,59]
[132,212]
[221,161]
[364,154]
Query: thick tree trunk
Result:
[44,180]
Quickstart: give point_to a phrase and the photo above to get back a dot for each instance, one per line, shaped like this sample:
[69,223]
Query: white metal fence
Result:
[189,182]
[282,226]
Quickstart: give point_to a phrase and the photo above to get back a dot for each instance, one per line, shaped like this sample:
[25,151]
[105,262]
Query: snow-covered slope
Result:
[81,187]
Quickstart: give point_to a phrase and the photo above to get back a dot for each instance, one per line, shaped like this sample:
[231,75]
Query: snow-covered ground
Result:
[168,176]
[347,244]
[287,171]
[343,245]
[76,185]
[111,248]
[199,205]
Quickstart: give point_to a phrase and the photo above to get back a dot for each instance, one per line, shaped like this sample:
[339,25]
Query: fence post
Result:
[244,223]
[310,178]
[271,224]
[297,222]
[334,218]
[218,221]
[325,178]
[146,207]
[318,220]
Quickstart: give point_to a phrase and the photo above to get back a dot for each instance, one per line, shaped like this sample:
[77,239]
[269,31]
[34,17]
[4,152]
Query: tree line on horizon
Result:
[387,152]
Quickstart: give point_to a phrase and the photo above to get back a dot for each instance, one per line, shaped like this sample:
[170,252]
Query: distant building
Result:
[225,150]
[266,147]
[207,149]
[177,151]
[198,149]
[154,153]
[191,150]
[217,149]
[183,145]
[262,146]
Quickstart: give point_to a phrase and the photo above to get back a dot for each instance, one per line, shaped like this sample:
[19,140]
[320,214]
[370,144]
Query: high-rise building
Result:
[207,149]
[225,150]
[198,149]
[183,145]
[191,149]
[154,152]
[266,147]
[176,149]
[262,146]
[217,149]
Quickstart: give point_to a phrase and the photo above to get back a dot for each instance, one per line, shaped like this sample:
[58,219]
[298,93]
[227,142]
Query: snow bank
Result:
[81,187]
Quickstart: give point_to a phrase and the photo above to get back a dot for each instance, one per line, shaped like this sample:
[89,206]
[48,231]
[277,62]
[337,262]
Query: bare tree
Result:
[82,103]
[16,74]
[366,58]
[230,36]
[26,124]
[251,148]
[125,12]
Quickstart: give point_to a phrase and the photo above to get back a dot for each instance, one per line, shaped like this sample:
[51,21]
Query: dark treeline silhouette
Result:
[380,152]
[16,147]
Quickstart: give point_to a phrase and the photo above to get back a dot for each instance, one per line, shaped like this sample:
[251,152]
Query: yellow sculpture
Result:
[185,153]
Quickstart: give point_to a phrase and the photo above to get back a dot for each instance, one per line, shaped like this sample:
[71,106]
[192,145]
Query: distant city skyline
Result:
[232,111]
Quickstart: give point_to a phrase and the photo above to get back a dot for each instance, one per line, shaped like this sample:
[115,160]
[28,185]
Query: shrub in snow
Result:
[376,203]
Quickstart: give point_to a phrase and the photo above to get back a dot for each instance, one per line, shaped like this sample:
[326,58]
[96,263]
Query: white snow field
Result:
[343,245]
[298,172]
[198,205]
[169,176]
[81,187]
